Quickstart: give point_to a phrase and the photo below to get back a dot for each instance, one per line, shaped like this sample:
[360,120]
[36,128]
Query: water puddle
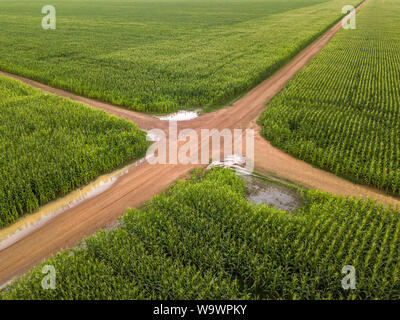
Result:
[234,161]
[181,115]
[31,222]
[152,137]
[262,190]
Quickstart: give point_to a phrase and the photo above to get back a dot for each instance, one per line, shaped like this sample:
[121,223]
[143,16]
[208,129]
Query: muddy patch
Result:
[264,191]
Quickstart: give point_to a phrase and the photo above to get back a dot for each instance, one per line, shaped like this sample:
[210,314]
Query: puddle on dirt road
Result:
[234,161]
[152,137]
[262,190]
[31,222]
[181,115]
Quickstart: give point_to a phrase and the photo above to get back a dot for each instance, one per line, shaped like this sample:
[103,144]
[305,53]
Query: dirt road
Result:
[144,181]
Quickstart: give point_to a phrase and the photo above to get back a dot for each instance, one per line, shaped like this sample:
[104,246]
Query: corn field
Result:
[160,55]
[51,146]
[190,243]
[341,113]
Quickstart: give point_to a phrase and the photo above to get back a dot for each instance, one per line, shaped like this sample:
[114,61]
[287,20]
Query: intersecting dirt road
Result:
[146,180]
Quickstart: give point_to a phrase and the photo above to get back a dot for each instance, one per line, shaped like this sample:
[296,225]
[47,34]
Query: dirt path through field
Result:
[145,180]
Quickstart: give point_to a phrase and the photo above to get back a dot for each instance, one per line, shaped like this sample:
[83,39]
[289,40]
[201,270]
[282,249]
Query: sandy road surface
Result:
[144,181]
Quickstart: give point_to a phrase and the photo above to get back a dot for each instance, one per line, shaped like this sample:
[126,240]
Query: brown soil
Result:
[145,181]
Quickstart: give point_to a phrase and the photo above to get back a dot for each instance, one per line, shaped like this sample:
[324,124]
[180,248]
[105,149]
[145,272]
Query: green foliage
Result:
[341,112]
[51,146]
[190,243]
[159,55]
